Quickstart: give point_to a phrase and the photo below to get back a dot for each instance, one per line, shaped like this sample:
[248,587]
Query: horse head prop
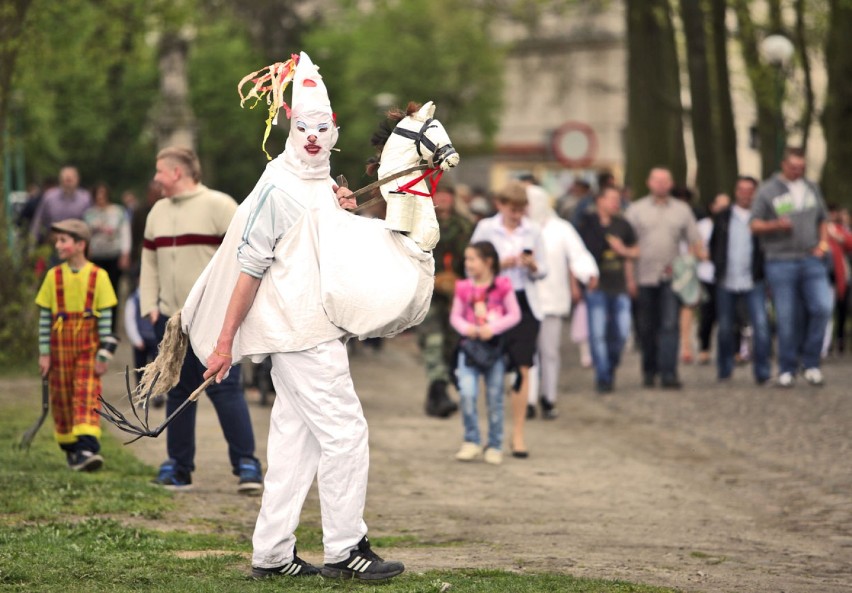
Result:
[417,138]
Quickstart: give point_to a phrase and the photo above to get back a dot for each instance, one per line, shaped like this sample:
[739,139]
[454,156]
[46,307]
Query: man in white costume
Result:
[317,426]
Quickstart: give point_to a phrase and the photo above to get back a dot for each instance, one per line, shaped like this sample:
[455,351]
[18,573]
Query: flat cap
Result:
[74,227]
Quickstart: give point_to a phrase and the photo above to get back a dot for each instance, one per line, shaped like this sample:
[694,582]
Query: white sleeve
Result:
[480,232]
[124,237]
[264,227]
[130,322]
[540,255]
[580,261]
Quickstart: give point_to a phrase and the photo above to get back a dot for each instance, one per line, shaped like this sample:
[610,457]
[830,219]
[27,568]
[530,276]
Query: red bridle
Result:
[431,176]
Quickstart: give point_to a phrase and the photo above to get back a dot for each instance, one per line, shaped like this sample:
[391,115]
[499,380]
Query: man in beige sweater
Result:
[182,233]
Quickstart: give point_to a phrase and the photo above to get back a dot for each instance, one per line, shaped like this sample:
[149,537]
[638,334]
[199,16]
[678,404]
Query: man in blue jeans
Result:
[612,242]
[738,262]
[182,232]
[662,224]
[790,217]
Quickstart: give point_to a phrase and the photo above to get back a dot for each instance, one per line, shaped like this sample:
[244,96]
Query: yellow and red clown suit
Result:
[75,327]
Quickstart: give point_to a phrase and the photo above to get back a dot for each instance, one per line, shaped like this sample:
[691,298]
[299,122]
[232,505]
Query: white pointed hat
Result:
[309,92]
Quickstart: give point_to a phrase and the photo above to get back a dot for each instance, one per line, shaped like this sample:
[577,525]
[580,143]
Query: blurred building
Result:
[565,103]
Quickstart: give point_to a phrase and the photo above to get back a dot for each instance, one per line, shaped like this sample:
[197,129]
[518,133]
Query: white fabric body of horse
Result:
[334,275]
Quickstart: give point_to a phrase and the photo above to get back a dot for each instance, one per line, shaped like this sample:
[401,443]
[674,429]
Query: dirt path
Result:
[715,488]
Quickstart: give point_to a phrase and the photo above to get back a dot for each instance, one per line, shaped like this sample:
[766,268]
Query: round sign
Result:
[575,144]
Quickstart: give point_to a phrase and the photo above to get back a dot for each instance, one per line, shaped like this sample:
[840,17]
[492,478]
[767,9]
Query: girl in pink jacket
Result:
[484,307]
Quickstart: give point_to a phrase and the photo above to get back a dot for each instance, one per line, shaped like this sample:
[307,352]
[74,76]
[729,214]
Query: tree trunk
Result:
[800,41]
[12,18]
[655,112]
[704,133]
[173,119]
[726,145]
[837,117]
[767,85]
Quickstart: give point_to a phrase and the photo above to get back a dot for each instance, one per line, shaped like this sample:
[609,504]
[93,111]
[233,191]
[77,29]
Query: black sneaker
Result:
[603,387]
[363,564]
[671,382]
[295,568]
[85,461]
[251,478]
[438,402]
[548,410]
[171,478]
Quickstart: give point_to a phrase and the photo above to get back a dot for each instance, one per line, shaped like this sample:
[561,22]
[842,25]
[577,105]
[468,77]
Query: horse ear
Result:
[427,111]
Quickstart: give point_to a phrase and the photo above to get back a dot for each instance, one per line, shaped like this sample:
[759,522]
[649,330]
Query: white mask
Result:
[312,136]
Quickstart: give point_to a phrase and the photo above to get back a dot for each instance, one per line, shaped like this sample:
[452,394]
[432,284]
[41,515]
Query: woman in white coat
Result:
[565,253]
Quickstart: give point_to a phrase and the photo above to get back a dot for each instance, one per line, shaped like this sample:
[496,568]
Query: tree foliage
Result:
[417,50]
[228,137]
[85,84]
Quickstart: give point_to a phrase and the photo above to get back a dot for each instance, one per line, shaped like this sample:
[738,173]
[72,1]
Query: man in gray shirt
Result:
[789,216]
[68,200]
[662,224]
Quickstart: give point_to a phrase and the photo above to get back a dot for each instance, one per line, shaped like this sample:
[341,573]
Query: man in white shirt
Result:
[739,276]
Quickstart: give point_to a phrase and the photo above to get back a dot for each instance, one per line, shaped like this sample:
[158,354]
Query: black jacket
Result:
[719,247]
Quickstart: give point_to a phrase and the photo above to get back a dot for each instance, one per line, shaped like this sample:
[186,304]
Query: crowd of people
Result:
[761,273]
[772,262]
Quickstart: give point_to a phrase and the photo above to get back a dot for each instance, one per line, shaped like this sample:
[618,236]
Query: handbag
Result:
[685,283]
[481,354]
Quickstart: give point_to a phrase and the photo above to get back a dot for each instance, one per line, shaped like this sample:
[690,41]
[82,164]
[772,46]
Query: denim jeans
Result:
[468,378]
[726,307]
[803,302]
[228,400]
[659,330]
[609,325]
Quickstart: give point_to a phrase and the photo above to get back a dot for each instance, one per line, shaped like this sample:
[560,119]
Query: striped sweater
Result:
[181,235]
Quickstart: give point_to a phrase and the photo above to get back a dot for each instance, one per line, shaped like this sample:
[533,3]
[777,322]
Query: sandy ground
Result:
[714,488]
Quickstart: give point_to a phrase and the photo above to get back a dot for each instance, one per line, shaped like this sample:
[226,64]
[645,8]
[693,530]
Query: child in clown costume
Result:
[317,427]
[76,343]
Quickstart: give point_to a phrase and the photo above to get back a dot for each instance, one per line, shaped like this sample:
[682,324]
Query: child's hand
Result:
[486,333]
[100,367]
[44,364]
[472,332]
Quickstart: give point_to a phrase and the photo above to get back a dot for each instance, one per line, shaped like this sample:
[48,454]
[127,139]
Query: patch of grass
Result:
[102,555]
[60,532]
[37,484]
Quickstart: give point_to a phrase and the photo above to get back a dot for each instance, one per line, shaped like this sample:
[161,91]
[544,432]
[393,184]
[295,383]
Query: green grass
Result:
[63,532]
[37,484]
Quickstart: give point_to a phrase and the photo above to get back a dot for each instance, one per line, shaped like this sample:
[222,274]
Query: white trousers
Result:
[545,382]
[316,428]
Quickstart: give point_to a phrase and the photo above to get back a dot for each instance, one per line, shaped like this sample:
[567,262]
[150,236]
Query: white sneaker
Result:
[786,380]
[814,376]
[493,456]
[469,452]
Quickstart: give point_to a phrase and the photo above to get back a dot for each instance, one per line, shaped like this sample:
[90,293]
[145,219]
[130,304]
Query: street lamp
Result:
[777,50]
[384,102]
